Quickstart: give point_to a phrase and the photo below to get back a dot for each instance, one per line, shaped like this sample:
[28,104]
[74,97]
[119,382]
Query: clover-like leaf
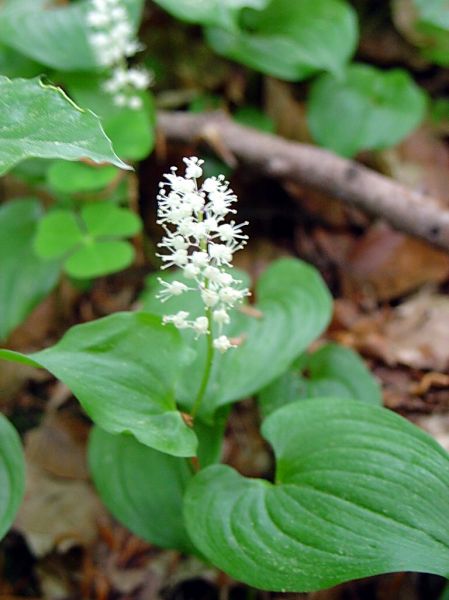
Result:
[291,40]
[88,241]
[359,491]
[54,36]
[12,474]
[366,109]
[25,279]
[39,120]
[143,488]
[123,370]
[293,306]
[333,371]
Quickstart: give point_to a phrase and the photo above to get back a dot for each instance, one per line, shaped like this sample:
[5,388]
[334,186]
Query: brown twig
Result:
[408,211]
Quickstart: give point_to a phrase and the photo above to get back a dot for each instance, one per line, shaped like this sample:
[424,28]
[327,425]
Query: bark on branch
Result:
[408,211]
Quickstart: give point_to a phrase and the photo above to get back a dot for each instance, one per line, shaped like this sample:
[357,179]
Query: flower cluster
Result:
[201,243]
[113,41]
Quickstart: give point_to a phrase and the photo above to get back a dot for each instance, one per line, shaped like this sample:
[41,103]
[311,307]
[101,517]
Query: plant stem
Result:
[208,367]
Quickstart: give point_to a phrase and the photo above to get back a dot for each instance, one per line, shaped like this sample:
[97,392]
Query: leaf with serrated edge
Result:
[39,120]
[359,491]
[123,369]
[12,474]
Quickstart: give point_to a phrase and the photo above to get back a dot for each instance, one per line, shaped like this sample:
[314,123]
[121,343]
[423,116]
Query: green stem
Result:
[207,369]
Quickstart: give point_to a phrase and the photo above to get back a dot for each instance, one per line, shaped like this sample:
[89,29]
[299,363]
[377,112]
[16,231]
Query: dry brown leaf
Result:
[421,162]
[58,446]
[57,514]
[385,264]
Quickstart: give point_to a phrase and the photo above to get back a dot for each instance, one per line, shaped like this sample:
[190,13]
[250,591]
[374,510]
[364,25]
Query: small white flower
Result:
[193,167]
[135,103]
[209,297]
[222,343]
[200,259]
[179,320]
[201,325]
[221,253]
[173,288]
[221,316]
[191,271]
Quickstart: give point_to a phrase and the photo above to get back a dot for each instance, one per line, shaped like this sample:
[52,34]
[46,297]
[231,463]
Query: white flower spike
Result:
[199,241]
[113,41]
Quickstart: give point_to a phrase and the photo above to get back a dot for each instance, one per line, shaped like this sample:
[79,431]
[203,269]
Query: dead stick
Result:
[408,211]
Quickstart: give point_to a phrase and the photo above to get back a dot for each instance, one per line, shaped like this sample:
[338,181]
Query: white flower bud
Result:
[209,297]
[221,316]
[222,343]
[201,325]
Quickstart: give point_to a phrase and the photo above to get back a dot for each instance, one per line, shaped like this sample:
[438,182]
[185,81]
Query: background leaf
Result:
[25,279]
[56,37]
[333,371]
[142,488]
[294,306]
[367,109]
[359,491]
[123,369]
[211,12]
[40,121]
[12,474]
[75,177]
[291,40]
[131,131]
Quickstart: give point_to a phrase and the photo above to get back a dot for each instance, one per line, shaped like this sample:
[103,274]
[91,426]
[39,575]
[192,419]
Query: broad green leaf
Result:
[291,40]
[333,371]
[25,279]
[12,474]
[209,12]
[97,258]
[294,308]
[104,219]
[359,491]
[131,131]
[75,177]
[142,488]
[123,369]
[367,109]
[58,36]
[38,120]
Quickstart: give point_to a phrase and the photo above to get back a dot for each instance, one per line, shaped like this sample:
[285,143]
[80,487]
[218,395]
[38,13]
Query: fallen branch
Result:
[408,211]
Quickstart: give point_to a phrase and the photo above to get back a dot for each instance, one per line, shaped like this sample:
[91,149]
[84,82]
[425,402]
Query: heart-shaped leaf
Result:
[359,491]
[332,371]
[57,37]
[143,488]
[291,40]
[123,370]
[212,12]
[293,307]
[38,120]
[12,474]
[25,279]
[98,258]
[366,109]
